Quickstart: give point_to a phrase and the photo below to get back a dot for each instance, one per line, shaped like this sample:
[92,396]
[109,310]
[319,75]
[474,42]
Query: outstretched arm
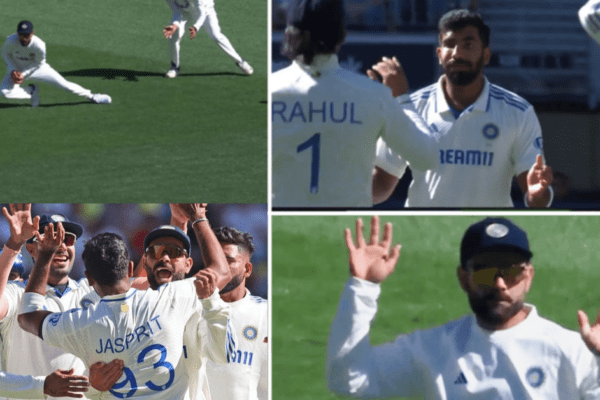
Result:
[33,315]
[212,252]
[589,334]
[62,383]
[535,183]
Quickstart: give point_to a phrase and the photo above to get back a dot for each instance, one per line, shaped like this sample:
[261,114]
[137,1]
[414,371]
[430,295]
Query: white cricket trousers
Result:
[212,28]
[44,74]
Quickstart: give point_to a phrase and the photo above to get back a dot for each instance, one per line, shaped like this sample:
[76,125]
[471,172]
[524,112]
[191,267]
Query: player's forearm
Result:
[217,335]
[38,278]
[212,252]
[21,386]
[7,259]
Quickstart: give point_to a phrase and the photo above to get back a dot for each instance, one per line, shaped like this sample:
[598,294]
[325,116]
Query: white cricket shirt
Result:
[143,328]
[589,17]
[536,359]
[26,354]
[186,10]
[246,375]
[479,152]
[326,121]
[23,58]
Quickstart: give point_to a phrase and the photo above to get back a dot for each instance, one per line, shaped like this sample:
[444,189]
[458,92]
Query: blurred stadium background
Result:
[134,221]
[539,51]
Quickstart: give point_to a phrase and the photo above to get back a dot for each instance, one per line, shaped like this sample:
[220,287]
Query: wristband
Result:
[549,201]
[10,251]
[199,220]
[32,302]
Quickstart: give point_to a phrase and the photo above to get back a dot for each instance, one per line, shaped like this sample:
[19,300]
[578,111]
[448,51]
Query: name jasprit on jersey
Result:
[318,112]
[118,345]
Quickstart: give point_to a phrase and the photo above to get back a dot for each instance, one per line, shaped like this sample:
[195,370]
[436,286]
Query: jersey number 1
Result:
[315,143]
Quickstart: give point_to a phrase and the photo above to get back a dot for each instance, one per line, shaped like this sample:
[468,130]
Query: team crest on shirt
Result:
[535,377]
[496,230]
[54,319]
[85,303]
[250,332]
[538,143]
[491,131]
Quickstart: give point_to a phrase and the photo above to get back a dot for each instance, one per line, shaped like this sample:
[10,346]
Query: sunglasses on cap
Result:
[172,251]
[70,239]
[487,274]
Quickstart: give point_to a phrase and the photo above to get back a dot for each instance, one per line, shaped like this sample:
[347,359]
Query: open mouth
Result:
[164,273]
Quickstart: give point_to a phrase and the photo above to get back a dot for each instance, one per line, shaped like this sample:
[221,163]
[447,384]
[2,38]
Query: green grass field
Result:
[310,267]
[200,136]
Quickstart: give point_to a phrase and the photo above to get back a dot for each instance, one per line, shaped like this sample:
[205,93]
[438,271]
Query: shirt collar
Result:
[481,104]
[522,326]
[321,63]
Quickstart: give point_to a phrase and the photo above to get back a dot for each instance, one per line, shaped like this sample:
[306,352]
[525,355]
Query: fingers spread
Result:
[387,235]
[360,240]
[584,324]
[348,239]
[374,230]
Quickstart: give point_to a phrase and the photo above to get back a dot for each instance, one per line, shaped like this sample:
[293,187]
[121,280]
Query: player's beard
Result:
[153,282]
[233,283]
[464,78]
[490,311]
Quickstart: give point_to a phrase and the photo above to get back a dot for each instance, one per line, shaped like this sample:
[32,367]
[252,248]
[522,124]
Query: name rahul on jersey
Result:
[319,112]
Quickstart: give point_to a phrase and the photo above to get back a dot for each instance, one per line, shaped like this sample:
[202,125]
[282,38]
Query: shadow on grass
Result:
[49,105]
[132,76]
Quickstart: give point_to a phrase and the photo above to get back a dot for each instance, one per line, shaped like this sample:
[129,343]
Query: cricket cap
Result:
[322,18]
[18,266]
[24,28]
[172,231]
[69,226]
[493,234]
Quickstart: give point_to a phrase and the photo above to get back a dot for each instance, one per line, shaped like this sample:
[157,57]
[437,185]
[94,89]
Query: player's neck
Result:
[120,287]
[461,97]
[236,294]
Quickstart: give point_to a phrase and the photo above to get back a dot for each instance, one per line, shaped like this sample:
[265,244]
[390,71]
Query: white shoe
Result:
[172,73]
[35,96]
[245,67]
[101,99]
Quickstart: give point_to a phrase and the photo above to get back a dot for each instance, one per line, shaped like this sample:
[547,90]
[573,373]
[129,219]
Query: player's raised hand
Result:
[193,32]
[22,226]
[539,178]
[191,211]
[389,72]
[169,31]
[17,77]
[589,334]
[373,261]
[206,283]
[62,383]
[103,376]
[51,240]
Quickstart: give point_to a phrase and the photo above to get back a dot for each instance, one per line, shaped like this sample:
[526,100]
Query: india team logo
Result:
[250,332]
[538,143]
[535,377]
[85,303]
[496,230]
[491,131]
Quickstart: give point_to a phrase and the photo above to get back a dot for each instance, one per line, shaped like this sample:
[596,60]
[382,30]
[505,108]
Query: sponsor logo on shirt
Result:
[491,131]
[250,332]
[535,377]
[466,157]
[461,380]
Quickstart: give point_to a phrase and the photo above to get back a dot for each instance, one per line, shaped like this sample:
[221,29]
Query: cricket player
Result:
[144,328]
[504,350]
[199,13]
[58,383]
[589,17]
[246,374]
[25,57]
[326,120]
[486,134]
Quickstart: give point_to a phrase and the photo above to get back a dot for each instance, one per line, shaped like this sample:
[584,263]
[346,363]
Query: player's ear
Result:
[463,277]
[438,51]
[487,55]
[247,269]
[130,269]
[189,263]
[530,272]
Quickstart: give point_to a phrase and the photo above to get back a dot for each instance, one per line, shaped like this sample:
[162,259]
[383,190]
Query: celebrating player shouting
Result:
[504,350]
[486,134]
[25,57]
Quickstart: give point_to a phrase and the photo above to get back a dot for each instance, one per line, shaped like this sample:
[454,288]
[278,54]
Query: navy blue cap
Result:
[323,18]
[493,234]
[24,28]
[54,219]
[172,231]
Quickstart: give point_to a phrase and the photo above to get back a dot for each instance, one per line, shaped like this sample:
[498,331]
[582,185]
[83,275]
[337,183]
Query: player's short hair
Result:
[457,19]
[244,241]
[106,258]
[313,27]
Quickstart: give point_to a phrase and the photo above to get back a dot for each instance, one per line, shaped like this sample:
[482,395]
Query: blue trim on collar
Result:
[124,298]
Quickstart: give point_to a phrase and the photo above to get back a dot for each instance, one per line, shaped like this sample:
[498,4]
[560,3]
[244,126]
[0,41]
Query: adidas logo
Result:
[461,379]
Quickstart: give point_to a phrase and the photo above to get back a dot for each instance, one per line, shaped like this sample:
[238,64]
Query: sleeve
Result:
[176,17]
[201,14]
[407,134]
[529,142]
[7,57]
[59,330]
[355,368]
[39,50]
[263,379]
[21,386]
[389,161]
[589,17]
[216,334]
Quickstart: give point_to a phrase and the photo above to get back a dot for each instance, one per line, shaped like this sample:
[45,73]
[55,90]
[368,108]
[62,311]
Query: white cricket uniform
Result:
[326,121]
[21,387]
[246,375]
[201,14]
[30,60]
[536,359]
[494,139]
[143,328]
[589,16]
[26,354]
